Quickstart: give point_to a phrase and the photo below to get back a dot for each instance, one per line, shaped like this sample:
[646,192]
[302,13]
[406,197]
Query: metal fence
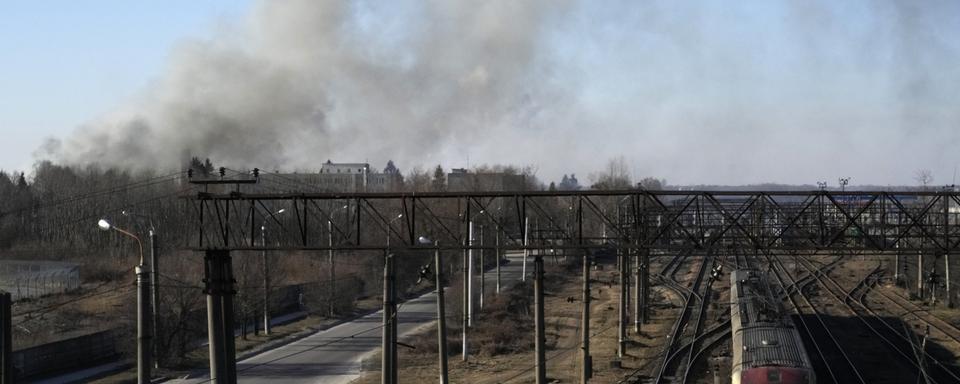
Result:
[29,279]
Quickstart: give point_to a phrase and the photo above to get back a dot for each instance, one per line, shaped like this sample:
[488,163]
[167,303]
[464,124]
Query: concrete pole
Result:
[333,275]
[586,369]
[622,315]
[155,293]
[540,328]
[526,252]
[920,274]
[386,360]
[218,369]
[470,277]
[483,270]
[645,285]
[946,266]
[638,294]
[144,336]
[6,338]
[394,321]
[266,281]
[499,259]
[229,343]
[441,318]
[896,265]
[947,242]
[464,311]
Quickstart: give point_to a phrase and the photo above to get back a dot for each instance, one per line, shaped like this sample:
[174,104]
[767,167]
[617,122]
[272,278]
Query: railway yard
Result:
[856,324]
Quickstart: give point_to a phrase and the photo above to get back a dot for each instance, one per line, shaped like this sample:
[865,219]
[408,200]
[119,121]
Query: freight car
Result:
[766,346]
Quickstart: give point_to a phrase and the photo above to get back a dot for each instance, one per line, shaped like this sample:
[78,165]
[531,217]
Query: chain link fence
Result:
[30,279]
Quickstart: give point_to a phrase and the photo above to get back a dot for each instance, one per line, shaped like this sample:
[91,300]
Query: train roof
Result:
[752,300]
[763,333]
[773,345]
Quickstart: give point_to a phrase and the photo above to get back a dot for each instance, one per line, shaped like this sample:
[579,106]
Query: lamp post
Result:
[843,183]
[266,275]
[155,279]
[389,374]
[333,276]
[144,336]
[441,312]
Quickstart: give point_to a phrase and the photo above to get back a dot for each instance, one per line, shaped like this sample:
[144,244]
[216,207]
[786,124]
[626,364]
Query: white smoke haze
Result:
[713,93]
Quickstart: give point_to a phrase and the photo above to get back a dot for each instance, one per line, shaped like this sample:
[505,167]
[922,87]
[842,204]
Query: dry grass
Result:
[502,342]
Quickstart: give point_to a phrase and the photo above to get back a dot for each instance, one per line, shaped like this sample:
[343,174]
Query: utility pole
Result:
[441,318]
[947,241]
[587,363]
[920,272]
[638,295]
[333,275]
[645,285]
[266,281]
[586,371]
[526,252]
[155,291]
[218,276]
[540,334]
[394,322]
[470,277]
[464,312]
[387,367]
[483,269]
[499,259]
[622,315]
[144,329]
[6,338]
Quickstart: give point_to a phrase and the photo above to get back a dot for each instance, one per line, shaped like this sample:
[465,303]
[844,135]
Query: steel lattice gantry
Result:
[772,221]
[634,222]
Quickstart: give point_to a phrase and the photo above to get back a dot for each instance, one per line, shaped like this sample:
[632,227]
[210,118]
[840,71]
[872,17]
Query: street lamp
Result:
[386,230]
[822,185]
[144,336]
[155,279]
[389,312]
[333,284]
[441,314]
[266,274]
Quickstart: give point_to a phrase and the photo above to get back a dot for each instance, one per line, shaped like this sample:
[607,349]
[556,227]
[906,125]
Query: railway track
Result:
[840,370]
[896,341]
[679,351]
[714,335]
[910,309]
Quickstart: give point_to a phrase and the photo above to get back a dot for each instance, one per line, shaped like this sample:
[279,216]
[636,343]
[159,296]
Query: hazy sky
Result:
[695,92]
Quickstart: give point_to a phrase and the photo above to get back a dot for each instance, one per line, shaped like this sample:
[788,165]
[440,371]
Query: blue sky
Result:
[695,92]
[66,62]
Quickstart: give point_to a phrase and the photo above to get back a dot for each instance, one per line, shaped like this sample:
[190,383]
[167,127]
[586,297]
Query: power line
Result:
[133,185]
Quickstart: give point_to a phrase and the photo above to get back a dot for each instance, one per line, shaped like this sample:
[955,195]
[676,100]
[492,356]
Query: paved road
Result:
[333,356]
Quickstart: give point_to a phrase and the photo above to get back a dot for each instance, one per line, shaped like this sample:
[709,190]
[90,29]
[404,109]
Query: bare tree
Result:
[923,177]
[616,175]
[653,183]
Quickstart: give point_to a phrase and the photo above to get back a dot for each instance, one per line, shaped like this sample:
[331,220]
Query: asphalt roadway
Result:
[334,355]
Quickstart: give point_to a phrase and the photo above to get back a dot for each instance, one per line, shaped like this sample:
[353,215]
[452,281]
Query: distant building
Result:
[350,177]
[462,180]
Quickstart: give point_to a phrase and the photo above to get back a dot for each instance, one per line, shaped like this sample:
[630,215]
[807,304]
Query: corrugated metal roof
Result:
[771,346]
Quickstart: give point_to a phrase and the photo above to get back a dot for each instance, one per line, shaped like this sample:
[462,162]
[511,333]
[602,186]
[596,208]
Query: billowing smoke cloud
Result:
[714,92]
[303,81]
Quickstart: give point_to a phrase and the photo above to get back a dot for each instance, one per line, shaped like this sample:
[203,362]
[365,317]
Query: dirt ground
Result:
[562,320]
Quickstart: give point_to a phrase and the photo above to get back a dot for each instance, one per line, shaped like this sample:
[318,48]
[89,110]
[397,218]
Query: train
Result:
[766,345]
